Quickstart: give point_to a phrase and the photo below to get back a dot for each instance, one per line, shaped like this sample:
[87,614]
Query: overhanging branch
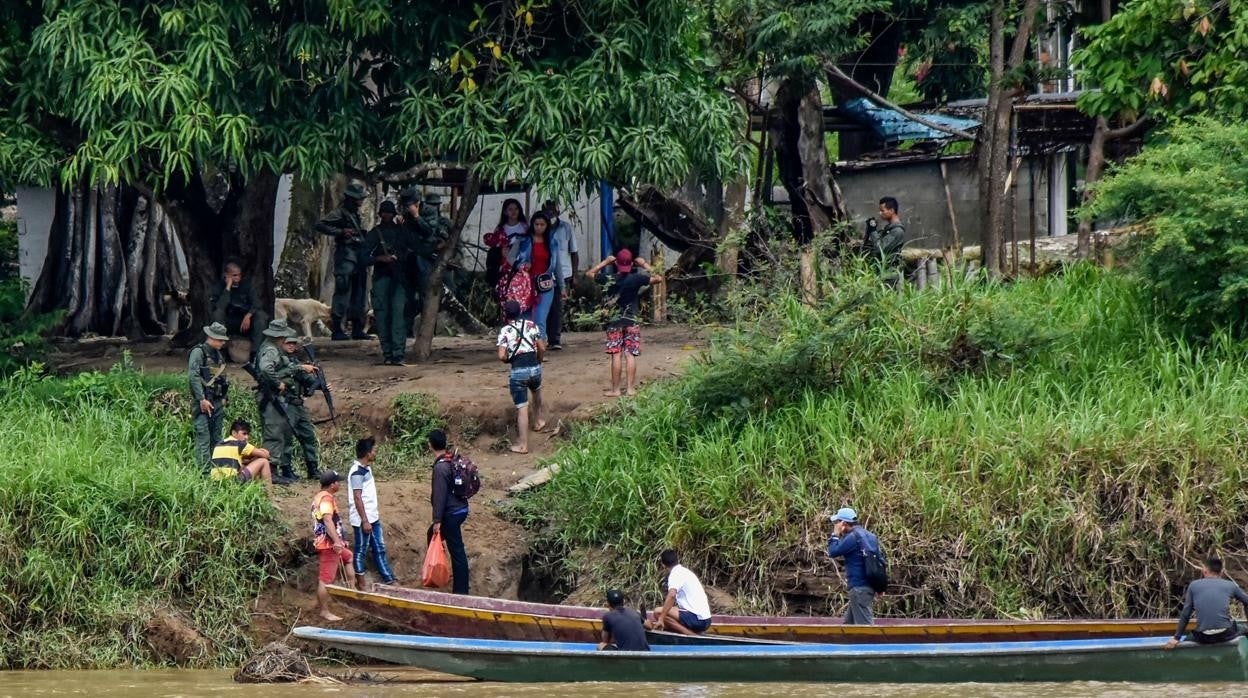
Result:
[839,76]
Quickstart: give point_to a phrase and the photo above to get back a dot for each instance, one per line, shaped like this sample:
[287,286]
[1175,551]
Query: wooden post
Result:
[920,274]
[933,273]
[1031,224]
[658,284]
[953,218]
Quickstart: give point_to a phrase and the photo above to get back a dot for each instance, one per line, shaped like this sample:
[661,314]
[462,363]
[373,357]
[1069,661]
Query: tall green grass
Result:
[1037,449]
[104,521]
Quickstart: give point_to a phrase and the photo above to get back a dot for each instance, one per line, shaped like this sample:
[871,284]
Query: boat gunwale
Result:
[417,643]
[882,626]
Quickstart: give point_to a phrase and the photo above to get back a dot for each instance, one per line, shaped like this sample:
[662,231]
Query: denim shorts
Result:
[693,622]
[522,381]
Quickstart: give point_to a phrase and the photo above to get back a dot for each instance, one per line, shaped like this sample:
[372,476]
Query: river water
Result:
[401,683]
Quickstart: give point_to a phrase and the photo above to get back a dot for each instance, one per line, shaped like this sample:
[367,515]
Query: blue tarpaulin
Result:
[893,127]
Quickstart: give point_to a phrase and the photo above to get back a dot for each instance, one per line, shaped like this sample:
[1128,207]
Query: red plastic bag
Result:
[436,572]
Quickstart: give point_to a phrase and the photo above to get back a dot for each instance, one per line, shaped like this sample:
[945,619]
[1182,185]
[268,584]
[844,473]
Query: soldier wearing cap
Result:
[350,273]
[388,250]
[283,383]
[209,386]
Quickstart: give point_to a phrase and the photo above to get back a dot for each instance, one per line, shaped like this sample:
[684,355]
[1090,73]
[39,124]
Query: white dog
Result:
[304,311]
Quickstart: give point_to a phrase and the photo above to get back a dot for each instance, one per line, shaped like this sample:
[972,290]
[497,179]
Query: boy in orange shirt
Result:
[331,546]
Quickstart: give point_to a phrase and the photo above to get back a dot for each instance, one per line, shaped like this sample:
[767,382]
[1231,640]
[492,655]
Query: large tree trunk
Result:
[239,226]
[994,137]
[729,251]
[802,160]
[433,299]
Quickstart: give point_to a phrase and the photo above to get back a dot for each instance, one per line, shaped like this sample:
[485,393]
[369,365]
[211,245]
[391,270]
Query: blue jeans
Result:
[376,541]
[541,311]
[452,533]
[521,381]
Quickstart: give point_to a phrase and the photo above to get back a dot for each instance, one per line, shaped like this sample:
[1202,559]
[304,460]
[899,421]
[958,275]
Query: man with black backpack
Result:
[865,570]
[454,481]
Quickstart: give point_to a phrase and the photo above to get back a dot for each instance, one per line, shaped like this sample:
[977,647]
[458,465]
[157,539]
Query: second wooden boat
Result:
[437,613]
[1119,659]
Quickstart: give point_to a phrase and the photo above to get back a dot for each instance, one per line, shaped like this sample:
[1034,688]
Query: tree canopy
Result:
[1167,59]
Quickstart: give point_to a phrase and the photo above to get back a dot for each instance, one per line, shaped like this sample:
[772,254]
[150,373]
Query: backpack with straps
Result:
[465,479]
[875,566]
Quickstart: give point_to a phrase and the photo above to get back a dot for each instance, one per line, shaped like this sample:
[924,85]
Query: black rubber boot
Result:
[336,327]
[314,473]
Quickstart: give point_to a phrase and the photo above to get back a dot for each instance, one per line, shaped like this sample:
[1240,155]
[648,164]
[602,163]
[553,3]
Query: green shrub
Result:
[1033,446]
[1191,189]
[106,523]
[414,415]
[21,335]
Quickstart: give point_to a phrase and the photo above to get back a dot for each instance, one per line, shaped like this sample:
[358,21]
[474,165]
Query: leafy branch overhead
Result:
[559,92]
[1168,59]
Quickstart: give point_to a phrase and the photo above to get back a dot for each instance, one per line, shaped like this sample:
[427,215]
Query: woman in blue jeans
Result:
[449,510]
[521,344]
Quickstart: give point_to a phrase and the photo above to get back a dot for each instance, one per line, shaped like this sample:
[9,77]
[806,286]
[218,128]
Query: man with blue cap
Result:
[855,543]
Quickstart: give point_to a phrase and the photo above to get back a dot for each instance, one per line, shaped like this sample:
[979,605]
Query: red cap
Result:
[624,261]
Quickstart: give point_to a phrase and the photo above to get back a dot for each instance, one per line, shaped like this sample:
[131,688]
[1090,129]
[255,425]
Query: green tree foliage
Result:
[1166,60]
[557,93]
[1189,190]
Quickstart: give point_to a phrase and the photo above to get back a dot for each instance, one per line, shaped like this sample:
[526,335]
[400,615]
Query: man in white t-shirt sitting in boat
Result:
[685,610]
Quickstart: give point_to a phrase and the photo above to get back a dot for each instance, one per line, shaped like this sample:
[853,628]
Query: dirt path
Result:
[471,386]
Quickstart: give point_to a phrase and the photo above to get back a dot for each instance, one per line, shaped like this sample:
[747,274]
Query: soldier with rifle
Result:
[350,272]
[209,388]
[388,250]
[282,385]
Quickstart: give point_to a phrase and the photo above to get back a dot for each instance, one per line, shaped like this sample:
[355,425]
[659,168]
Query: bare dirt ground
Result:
[471,386]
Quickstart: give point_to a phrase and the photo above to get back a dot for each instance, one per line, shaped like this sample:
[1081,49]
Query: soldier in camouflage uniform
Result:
[409,206]
[284,384]
[431,232]
[388,249]
[350,274]
[209,386]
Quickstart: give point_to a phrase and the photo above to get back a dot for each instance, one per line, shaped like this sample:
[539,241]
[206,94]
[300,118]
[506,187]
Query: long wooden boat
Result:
[428,612]
[1117,659]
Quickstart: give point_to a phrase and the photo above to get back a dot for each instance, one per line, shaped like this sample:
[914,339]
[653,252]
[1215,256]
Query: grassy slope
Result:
[1036,448]
[102,523]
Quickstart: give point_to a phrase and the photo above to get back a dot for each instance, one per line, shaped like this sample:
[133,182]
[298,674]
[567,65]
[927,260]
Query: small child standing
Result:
[623,332]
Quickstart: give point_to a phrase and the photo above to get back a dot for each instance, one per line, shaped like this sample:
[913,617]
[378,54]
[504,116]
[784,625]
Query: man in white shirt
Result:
[569,264]
[686,609]
[365,517]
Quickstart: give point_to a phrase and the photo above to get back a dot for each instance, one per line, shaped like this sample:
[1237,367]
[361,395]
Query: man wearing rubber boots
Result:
[209,385]
[350,271]
[388,251]
[284,384]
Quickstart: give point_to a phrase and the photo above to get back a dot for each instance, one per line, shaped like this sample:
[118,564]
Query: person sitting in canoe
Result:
[685,610]
[1210,597]
[622,628]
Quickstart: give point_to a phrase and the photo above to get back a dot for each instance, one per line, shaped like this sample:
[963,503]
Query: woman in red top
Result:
[539,269]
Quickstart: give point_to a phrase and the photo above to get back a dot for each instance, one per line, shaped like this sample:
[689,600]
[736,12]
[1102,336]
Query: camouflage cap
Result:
[433,199]
[355,190]
[217,331]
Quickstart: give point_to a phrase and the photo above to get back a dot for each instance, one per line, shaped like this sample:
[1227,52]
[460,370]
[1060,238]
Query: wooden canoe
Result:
[449,615]
[1115,659]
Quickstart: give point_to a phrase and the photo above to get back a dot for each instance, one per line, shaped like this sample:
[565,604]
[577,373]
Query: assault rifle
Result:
[321,384]
[266,395]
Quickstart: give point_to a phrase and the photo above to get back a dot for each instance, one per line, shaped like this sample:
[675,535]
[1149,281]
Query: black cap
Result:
[329,477]
[615,597]
[388,207]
